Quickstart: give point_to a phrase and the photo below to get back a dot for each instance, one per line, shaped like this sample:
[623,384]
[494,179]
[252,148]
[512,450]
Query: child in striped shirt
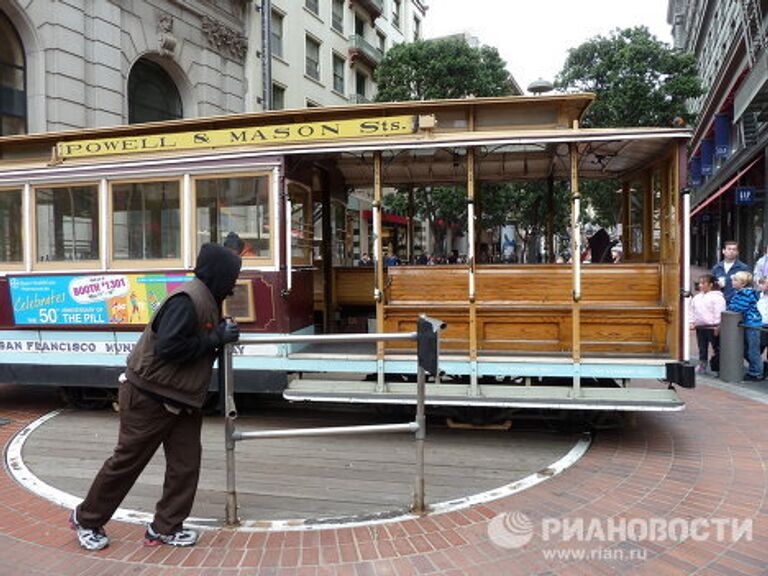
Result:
[745,300]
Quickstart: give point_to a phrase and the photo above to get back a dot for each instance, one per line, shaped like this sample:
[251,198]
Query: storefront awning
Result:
[387,218]
[724,188]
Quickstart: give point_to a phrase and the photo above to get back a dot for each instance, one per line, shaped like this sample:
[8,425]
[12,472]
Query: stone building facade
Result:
[69,64]
[79,56]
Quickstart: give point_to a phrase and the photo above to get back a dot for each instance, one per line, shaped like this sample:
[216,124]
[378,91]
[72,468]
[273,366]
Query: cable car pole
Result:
[576,251]
[378,267]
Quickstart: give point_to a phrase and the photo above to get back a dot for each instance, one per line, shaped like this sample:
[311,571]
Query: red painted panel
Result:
[275,310]
[6,309]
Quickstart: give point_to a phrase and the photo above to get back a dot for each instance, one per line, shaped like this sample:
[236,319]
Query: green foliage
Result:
[603,200]
[528,206]
[440,206]
[639,80]
[434,69]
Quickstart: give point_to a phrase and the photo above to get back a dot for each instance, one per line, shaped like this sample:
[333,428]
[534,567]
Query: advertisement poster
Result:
[88,300]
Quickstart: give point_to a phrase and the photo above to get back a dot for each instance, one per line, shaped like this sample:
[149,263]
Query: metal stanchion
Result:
[421,434]
[427,339]
[229,431]
[428,354]
[731,347]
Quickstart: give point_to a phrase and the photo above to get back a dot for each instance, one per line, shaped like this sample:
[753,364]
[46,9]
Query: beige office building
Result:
[325,52]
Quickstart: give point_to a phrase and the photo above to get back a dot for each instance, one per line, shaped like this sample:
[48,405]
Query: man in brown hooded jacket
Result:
[164,386]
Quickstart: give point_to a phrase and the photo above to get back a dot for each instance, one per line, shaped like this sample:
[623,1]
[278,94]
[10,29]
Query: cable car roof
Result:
[517,137]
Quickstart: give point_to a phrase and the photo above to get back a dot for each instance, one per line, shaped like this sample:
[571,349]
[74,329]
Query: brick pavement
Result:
[710,461]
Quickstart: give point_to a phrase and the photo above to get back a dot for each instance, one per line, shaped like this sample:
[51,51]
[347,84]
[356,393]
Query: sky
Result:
[533,36]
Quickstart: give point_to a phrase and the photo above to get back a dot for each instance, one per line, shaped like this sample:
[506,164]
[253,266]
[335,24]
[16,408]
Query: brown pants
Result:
[145,424]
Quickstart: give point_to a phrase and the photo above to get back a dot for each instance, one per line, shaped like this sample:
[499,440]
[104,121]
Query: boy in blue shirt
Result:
[745,300]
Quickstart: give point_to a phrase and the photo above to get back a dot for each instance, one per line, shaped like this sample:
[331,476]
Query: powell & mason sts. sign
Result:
[272,134]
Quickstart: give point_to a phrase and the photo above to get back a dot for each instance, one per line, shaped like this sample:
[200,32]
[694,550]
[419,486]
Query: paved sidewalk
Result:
[711,461]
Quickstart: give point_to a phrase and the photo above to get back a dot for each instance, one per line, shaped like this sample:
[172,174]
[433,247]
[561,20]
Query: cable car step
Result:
[494,395]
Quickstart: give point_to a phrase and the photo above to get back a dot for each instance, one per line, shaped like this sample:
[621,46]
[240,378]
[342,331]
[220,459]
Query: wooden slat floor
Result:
[303,477]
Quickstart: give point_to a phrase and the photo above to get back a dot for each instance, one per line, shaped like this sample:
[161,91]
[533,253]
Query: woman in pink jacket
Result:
[706,308]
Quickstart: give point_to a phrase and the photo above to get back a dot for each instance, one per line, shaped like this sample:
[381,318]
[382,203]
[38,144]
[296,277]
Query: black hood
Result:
[218,268]
[600,245]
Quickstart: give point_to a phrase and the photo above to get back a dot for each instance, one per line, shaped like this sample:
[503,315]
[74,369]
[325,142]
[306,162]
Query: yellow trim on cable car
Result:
[248,136]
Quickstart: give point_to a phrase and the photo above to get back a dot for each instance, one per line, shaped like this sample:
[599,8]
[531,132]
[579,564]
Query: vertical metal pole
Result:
[378,266]
[105,229]
[576,251]
[421,433]
[229,442]
[30,251]
[686,272]
[326,251]
[473,329]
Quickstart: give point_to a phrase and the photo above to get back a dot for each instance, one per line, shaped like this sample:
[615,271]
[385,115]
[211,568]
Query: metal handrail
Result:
[231,435]
[320,339]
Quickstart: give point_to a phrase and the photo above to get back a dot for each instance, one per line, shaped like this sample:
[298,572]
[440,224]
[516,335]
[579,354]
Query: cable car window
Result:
[146,221]
[10,226]
[301,224]
[236,204]
[67,223]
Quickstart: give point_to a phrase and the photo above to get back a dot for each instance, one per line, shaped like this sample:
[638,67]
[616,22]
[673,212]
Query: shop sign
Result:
[745,196]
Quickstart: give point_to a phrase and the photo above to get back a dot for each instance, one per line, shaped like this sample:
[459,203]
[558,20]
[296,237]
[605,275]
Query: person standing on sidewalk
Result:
[762,307]
[761,268]
[161,394]
[727,267]
[706,309]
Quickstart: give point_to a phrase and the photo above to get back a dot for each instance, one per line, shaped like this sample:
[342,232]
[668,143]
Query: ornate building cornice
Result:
[225,38]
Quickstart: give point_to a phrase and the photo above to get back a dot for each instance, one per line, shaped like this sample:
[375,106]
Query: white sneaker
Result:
[183,537]
[89,538]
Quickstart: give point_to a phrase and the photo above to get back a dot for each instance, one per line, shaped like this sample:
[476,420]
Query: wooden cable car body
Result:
[519,335]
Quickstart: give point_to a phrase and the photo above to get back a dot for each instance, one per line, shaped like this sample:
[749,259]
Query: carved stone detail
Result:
[224,38]
[166,40]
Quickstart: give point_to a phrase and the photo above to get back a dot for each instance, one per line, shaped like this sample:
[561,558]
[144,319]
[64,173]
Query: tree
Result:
[527,205]
[440,206]
[639,80]
[447,68]
[434,69]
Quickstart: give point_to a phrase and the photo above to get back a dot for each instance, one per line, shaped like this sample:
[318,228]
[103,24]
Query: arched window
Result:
[152,94]
[13,93]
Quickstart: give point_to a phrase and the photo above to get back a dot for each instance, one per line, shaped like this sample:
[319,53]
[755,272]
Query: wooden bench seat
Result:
[529,308]
[354,286]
